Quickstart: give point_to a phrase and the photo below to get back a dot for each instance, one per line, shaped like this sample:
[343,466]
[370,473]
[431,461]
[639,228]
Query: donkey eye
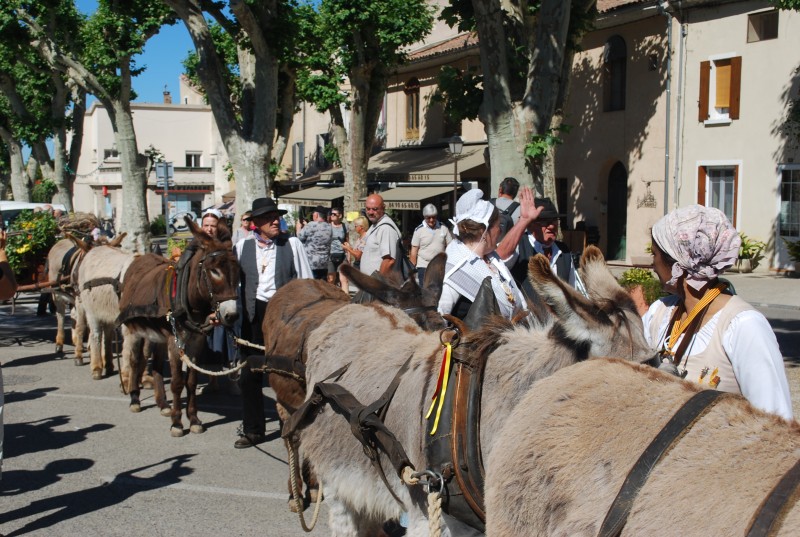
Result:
[216,274]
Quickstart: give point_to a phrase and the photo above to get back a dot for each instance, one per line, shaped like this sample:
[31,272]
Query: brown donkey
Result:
[178,306]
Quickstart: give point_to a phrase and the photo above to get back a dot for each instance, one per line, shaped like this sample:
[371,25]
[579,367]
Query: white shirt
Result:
[265,259]
[752,349]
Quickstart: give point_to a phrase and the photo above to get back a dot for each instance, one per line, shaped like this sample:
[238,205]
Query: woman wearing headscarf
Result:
[472,255]
[702,333]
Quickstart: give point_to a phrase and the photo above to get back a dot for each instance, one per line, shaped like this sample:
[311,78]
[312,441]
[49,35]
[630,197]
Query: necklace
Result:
[668,352]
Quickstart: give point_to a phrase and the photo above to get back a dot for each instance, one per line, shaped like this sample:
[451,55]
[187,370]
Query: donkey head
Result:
[606,323]
[213,277]
[418,302]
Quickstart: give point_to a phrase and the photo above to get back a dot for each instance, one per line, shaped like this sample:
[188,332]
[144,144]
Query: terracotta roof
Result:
[461,41]
[607,5]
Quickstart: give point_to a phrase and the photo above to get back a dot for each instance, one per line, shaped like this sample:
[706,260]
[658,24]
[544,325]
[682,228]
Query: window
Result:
[411,90]
[720,86]
[790,203]
[109,154]
[614,64]
[193,160]
[762,26]
[717,187]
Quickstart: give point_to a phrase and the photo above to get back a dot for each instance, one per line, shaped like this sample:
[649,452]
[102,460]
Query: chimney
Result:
[167,96]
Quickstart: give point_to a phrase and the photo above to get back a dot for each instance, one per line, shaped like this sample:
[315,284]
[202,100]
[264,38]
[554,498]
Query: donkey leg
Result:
[159,392]
[195,425]
[131,358]
[96,351]
[176,387]
[108,350]
[61,313]
[79,328]
[147,373]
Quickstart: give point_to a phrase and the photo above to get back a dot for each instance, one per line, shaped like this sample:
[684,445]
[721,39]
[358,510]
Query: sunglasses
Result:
[335,214]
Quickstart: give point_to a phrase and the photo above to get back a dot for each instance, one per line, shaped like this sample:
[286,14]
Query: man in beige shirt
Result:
[429,239]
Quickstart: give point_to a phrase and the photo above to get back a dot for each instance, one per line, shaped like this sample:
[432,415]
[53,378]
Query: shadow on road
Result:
[34,436]
[78,503]
[788,333]
[22,481]
[30,395]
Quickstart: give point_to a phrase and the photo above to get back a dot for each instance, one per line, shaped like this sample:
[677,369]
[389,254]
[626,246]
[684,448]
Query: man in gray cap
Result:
[540,238]
[317,236]
[430,238]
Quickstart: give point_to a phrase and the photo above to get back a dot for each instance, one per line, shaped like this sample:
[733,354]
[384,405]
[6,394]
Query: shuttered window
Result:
[723,80]
[720,89]
[717,186]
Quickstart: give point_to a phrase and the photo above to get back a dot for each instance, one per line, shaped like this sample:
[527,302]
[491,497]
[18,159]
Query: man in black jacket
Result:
[268,259]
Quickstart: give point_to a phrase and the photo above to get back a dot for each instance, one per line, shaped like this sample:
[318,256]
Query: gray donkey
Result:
[378,342]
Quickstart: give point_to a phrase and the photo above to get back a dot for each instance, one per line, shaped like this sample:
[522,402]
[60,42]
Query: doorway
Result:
[617,212]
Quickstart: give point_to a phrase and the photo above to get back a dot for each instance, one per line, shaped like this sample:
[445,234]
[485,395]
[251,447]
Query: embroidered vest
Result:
[714,356]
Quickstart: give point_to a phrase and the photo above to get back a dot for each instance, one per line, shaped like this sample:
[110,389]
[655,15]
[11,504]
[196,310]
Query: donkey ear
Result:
[196,230]
[374,285]
[434,276]
[484,306]
[558,294]
[118,239]
[80,244]
[600,283]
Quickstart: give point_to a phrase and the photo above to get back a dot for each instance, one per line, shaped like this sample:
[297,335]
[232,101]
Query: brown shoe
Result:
[249,440]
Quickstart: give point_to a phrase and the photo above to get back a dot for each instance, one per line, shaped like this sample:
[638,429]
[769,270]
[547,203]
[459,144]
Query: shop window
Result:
[193,159]
[411,90]
[614,66]
[762,26]
[720,90]
[110,154]
[718,187]
[790,203]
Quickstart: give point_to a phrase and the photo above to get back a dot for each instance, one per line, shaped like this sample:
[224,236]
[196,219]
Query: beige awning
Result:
[421,165]
[410,198]
[317,195]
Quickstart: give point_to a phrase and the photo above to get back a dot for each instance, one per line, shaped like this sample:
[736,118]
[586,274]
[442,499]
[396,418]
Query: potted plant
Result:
[750,253]
[793,248]
[31,235]
[643,287]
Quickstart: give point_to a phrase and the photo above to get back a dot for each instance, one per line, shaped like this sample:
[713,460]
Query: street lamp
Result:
[456,144]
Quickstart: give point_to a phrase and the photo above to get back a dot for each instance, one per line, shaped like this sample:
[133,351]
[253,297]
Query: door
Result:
[617,212]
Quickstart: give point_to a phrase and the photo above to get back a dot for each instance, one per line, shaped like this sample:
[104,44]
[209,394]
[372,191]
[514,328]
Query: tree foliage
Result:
[786,4]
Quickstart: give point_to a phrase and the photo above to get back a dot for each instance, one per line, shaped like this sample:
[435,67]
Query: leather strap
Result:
[680,423]
[769,516]
[97,282]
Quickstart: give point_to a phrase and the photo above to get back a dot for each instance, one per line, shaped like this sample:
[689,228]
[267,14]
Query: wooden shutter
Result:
[722,72]
[702,102]
[735,192]
[702,179]
[736,87]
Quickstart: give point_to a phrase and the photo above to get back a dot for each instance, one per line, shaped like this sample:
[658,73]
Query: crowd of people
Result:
[702,332]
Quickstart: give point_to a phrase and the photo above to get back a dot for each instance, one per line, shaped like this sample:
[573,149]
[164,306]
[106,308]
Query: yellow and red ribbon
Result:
[441,387]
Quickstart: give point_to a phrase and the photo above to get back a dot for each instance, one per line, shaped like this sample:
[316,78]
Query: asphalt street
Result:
[78,462]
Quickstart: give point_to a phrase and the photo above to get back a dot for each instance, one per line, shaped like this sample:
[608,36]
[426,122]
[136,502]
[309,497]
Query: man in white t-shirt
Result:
[429,239]
[380,242]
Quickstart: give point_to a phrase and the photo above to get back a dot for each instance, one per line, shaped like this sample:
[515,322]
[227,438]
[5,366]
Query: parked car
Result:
[9,210]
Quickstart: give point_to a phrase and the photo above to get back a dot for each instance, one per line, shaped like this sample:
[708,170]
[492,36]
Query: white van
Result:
[9,210]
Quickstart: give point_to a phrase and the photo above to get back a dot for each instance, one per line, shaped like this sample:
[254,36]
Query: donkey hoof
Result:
[59,350]
[147,384]
[197,428]
[314,494]
[97,375]
[176,432]
[166,412]
[79,361]
[136,407]
[296,505]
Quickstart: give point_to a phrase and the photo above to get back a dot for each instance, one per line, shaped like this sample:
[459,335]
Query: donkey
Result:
[565,450]
[63,262]
[178,306]
[516,356]
[99,278]
[300,306]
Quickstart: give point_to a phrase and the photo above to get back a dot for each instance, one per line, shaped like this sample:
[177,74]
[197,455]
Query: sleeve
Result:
[415,239]
[757,362]
[388,241]
[301,265]
[448,237]
[511,260]
[302,235]
[448,299]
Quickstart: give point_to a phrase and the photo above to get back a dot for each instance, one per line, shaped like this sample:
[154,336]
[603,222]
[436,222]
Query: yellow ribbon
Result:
[444,376]
[679,327]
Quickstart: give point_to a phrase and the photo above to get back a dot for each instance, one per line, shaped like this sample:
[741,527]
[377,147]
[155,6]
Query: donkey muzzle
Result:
[227,313]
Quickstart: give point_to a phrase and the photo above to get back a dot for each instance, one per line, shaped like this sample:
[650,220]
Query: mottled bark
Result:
[20,185]
[247,137]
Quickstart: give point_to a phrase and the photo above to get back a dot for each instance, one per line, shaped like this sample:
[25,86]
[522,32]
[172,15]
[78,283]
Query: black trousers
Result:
[250,382]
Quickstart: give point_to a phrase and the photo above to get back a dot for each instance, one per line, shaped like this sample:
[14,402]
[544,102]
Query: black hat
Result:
[263,206]
[548,211]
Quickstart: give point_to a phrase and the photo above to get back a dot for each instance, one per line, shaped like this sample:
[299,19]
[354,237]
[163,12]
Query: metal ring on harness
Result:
[455,339]
[433,483]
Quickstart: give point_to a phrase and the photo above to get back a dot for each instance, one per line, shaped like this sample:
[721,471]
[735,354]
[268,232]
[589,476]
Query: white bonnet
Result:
[472,206]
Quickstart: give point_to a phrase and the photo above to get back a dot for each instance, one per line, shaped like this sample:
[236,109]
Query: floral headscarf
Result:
[701,240]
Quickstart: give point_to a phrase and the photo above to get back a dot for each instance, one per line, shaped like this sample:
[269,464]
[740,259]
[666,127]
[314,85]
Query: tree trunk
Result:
[20,185]
[78,112]
[288,103]
[504,122]
[40,152]
[134,181]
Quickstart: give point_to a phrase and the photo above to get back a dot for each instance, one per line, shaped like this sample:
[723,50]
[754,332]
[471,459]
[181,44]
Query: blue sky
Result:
[162,56]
